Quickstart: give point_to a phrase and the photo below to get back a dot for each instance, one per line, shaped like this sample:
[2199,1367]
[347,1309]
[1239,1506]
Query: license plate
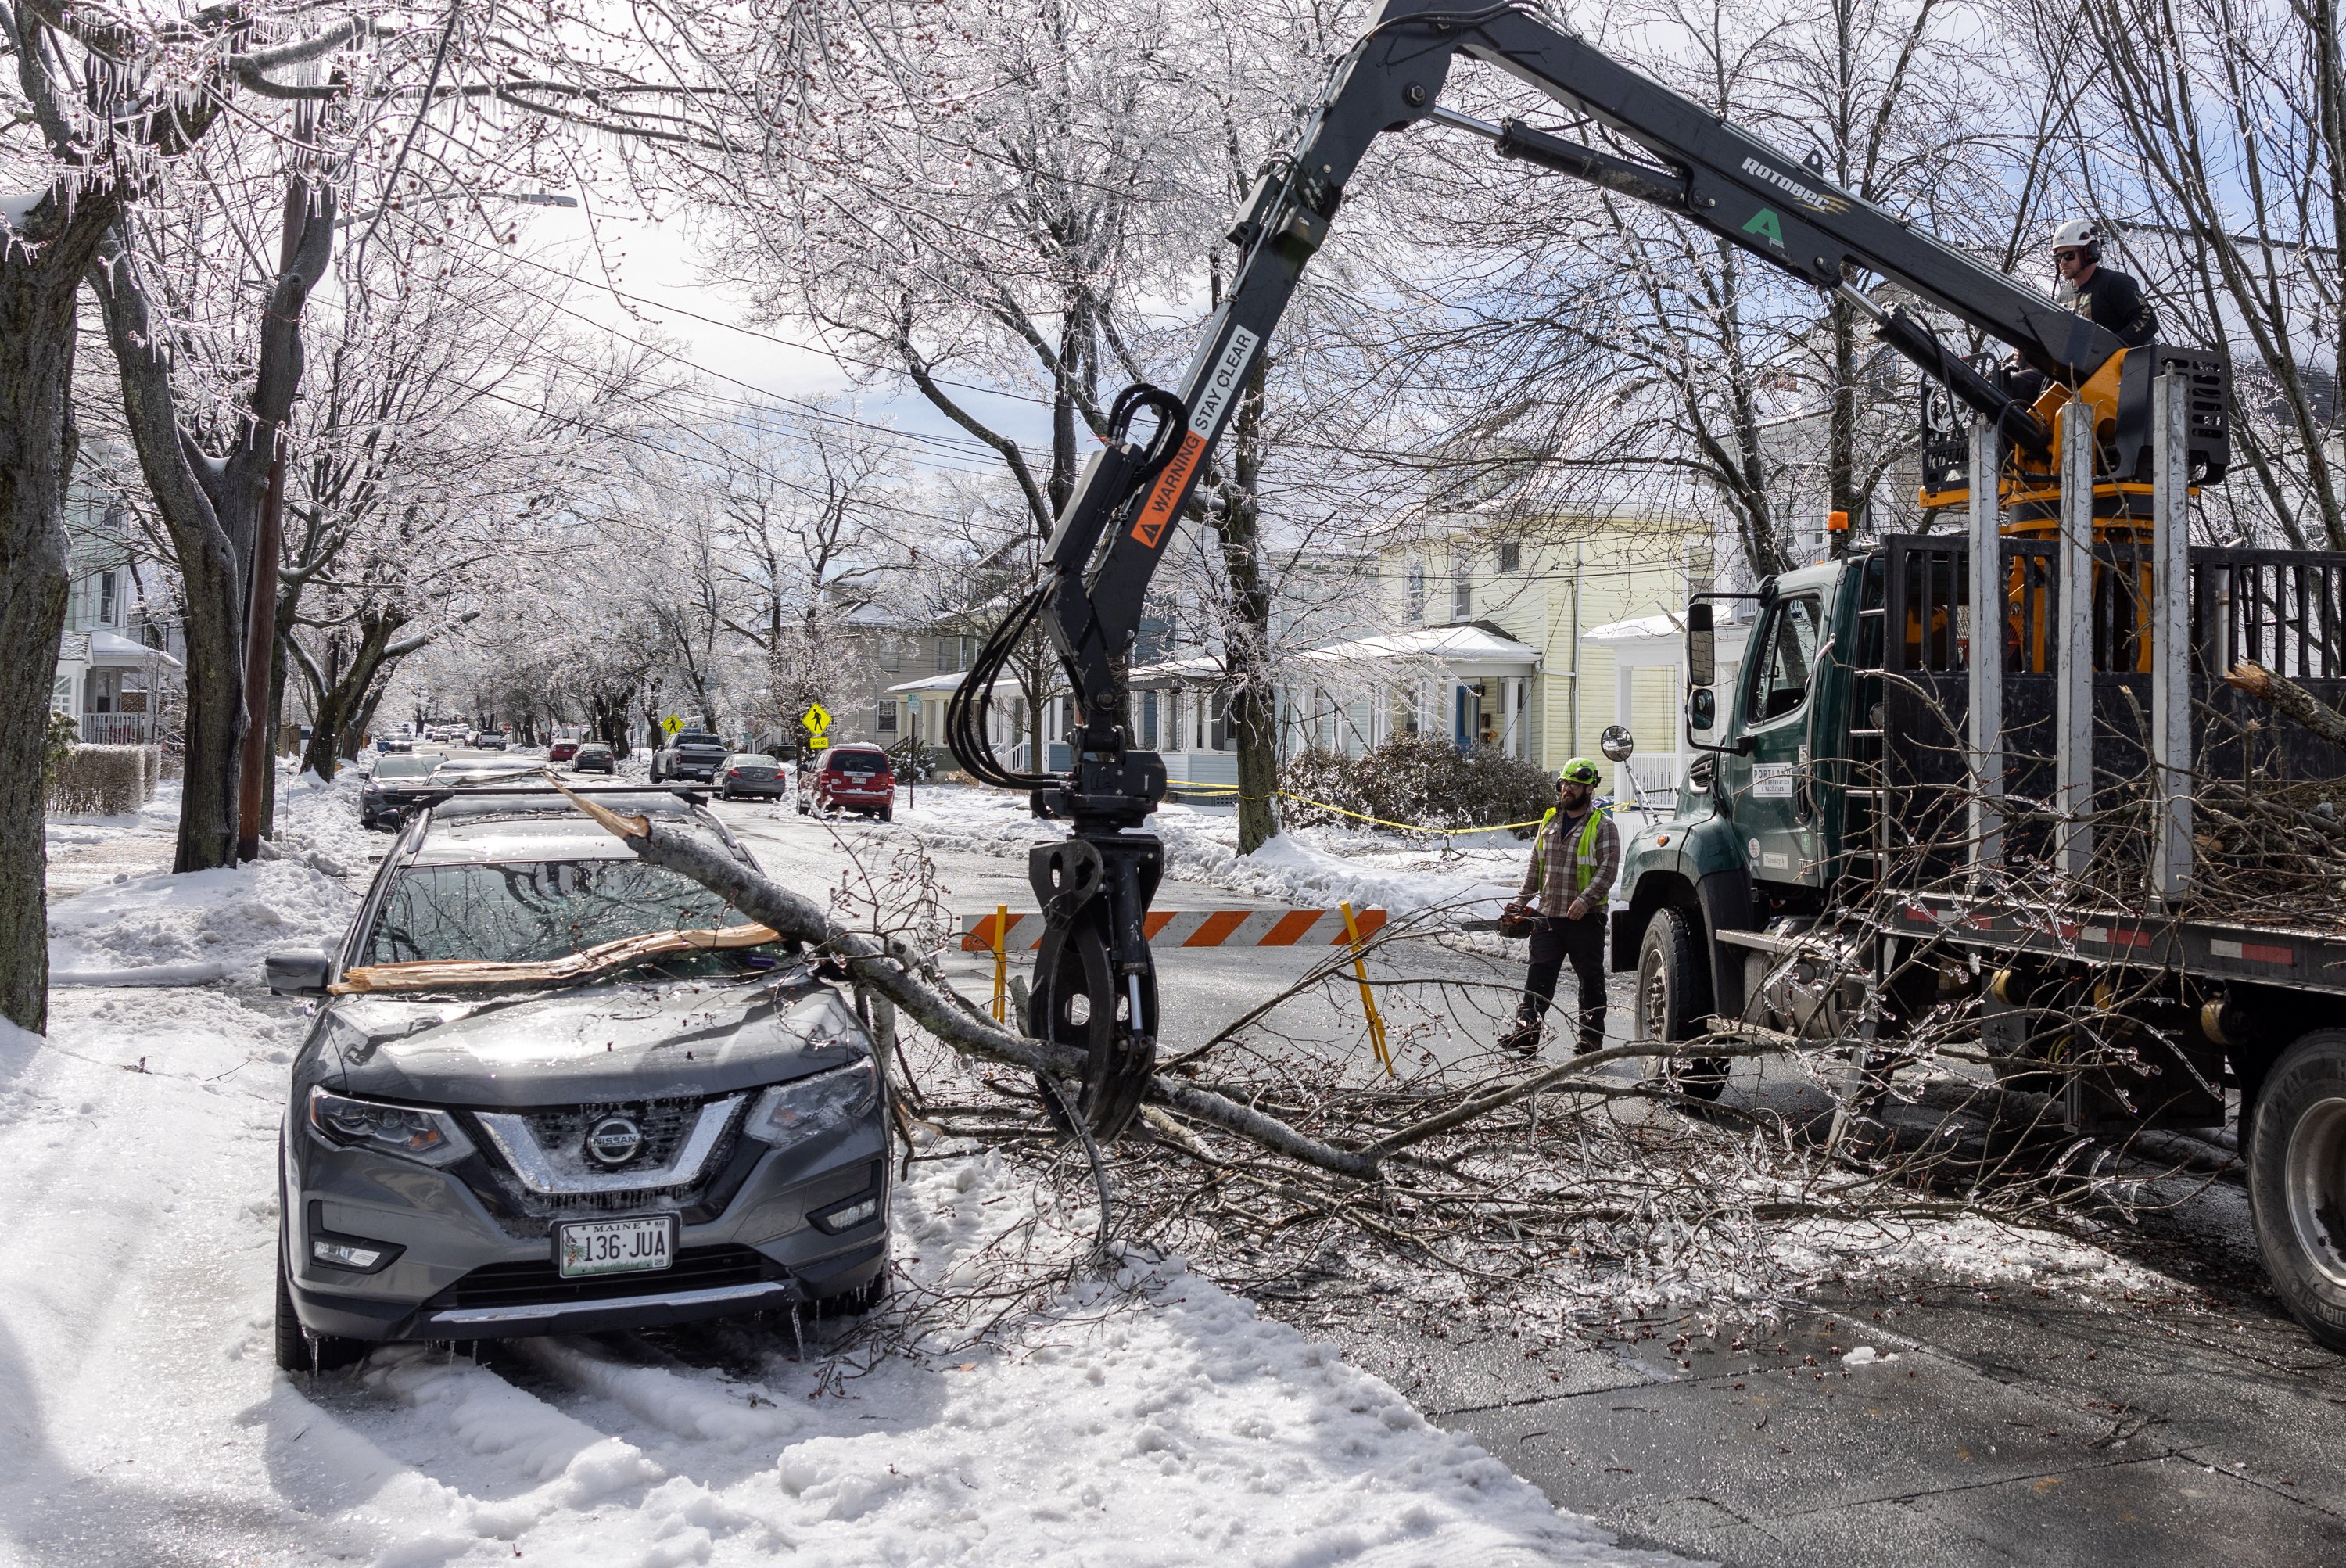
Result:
[615,1245]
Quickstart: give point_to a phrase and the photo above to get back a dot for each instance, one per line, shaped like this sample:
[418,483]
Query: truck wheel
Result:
[298,1350]
[1673,997]
[2297,1181]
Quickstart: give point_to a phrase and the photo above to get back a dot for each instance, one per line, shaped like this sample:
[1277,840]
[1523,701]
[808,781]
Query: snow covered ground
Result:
[1145,1416]
[1470,874]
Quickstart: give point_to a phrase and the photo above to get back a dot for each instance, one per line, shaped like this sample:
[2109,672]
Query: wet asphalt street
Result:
[2188,1422]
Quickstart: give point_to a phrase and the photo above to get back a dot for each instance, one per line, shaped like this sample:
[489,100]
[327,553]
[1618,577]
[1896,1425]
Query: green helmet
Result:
[1580,770]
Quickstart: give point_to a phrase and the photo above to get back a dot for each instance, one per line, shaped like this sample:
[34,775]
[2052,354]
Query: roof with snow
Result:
[938,683]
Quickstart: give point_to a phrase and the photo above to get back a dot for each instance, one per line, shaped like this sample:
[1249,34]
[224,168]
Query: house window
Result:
[891,657]
[1220,737]
[1148,721]
[966,646]
[1511,557]
[1462,590]
[946,648]
[109,599]
[1415,591]
[886,718]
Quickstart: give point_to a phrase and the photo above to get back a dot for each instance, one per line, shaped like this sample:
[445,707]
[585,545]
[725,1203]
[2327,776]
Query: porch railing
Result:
[117,728]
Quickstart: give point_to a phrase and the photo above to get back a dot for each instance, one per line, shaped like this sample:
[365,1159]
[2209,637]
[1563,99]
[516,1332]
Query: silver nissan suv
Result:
[550,1088]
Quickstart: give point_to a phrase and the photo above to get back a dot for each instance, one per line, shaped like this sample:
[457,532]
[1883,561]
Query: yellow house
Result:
[1595,597]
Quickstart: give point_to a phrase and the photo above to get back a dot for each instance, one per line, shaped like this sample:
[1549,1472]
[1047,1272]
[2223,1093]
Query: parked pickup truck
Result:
[692,754]
[1828,874]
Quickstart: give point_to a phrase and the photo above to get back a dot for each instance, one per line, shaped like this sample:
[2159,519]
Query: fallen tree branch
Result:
[2289,699]
[897,974]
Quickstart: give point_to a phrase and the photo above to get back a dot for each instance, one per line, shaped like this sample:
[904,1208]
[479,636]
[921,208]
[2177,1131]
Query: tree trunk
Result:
[211,505]
[1246,633]
[39,283]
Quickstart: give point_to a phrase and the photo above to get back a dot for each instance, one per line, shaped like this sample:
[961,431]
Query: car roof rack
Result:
[503,792]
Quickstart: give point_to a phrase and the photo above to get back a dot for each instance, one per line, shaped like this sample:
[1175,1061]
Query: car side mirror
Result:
[1702,648]
[297,971]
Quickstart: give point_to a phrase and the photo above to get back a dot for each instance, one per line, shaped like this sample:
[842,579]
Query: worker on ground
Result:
[2107,298]
[1575,855]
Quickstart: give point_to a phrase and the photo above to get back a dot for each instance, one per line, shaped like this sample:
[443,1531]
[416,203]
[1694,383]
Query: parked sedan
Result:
[853,778]
[593,756]
[562,751]
[751,773]
[394,787]
[489,739]
[597,1124]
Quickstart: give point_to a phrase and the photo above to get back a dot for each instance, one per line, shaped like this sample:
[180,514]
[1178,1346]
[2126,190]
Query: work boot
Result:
[1591,1032]
[1523,1038]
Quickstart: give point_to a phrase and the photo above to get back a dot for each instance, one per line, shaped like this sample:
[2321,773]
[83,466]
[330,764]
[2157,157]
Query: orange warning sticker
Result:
[1166,493]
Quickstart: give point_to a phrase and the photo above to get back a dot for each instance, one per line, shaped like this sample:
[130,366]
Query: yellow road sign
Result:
[817,720]
[671,725]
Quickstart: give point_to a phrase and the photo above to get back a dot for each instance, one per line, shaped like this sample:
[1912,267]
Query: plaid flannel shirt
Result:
[1555,861]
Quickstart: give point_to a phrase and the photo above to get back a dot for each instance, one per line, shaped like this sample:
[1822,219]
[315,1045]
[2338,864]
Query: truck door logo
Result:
[1766,224]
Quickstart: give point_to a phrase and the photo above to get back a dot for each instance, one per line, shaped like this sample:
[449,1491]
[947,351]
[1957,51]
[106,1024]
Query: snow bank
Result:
[222,922]
[1306,867]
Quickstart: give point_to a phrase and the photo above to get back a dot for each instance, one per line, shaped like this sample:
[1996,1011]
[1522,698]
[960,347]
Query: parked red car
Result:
[562,751]
[849,779]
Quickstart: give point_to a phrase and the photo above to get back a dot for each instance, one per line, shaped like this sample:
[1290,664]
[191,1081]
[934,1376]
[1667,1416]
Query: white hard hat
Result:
[2077,231]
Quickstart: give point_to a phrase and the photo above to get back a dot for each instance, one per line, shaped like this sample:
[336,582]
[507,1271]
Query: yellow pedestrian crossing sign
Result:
[817,720]
[671,725]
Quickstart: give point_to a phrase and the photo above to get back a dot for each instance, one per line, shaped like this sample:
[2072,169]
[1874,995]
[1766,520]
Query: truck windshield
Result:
[1780,677]
[533,911]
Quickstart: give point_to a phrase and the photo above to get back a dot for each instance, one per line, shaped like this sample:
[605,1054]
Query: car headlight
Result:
[431,1137]
[789,1112]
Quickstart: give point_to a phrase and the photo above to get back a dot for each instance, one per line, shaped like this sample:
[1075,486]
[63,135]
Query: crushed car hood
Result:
[592,1044]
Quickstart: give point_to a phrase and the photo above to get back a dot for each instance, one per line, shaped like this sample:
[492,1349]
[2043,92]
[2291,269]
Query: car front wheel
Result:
[2297,1181]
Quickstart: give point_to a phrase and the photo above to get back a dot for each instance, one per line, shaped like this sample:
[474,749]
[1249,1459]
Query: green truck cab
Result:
[1756,835]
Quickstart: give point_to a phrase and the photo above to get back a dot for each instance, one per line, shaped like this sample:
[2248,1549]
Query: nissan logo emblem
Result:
[614,1140]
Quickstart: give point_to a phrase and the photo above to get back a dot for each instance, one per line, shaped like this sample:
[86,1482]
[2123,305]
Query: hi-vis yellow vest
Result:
[1584,863]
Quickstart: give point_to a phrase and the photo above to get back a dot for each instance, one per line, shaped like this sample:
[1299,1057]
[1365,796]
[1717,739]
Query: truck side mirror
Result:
[1702,708]
[1702,650]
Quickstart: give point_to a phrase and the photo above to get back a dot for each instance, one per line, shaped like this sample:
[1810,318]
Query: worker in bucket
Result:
[1575,855]
[2109,300]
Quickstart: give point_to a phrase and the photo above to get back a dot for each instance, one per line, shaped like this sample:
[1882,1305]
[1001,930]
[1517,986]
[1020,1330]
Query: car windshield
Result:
[538,910]
[409,766]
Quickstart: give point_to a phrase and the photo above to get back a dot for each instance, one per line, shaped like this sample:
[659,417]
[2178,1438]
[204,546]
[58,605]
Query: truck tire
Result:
[2297,1181]
[1673,998]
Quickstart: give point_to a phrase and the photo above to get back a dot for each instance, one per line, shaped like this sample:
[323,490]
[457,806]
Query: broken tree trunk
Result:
[2290,700]
[895,973]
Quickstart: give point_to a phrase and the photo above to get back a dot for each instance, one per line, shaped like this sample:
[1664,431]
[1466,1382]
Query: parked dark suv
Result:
[520,1111]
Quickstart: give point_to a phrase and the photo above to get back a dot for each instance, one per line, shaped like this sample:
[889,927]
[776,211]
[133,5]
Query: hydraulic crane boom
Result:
[1095,984]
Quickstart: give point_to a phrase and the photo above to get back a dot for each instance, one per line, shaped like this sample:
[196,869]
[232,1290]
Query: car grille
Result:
[540,1284]
[559,1133]
[666,1125]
